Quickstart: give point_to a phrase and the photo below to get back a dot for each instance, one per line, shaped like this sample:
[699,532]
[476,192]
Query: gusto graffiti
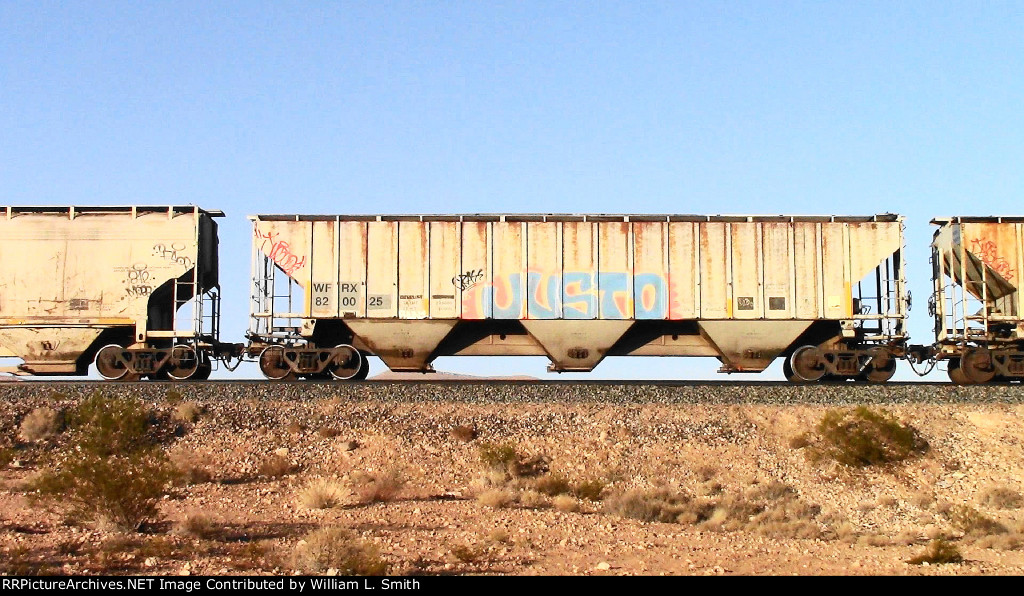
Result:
[573,295]
[279,251]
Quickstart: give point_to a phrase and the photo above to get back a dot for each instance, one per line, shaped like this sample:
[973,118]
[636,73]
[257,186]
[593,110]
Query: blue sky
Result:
[604,107]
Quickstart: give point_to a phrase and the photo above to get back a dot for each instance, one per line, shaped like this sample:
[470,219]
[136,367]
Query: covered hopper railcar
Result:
[826,293]
[978,307]
[133,289]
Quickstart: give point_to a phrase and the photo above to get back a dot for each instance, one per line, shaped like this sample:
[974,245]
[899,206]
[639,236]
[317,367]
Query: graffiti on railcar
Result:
[987,251]
[573,295]
[137,280]
[468,279]
[279,251]
[173,253]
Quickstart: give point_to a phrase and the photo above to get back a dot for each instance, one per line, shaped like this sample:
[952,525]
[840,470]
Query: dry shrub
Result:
[532,499]
[938,552]
[197,525]
[112,471]
[322,493]
[187,412]
[467,553]
[275,466]
[497,498]
[41,424]
[333,548]
[295,427]
[191,468]
[327,432]
[506,459]
[865,437]
[565,503]
[661,505]
[1002,497]
[375,488]
[552,485]
[464,433]
[973,523]
[591,490]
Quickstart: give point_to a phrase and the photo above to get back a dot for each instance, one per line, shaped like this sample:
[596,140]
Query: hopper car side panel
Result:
[579,288]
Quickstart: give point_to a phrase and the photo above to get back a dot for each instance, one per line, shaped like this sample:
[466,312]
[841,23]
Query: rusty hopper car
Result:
[827,293]
[133,288]
[977,303]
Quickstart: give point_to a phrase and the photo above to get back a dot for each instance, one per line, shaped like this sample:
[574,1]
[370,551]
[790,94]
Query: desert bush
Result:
[497,498]
[938,552]
[375,488]
[467,553]
[591,490]
[196,525]
[187,412]
[328,432]
[552,485]
[648,505]
[275,466]
[1001,497]
[507,459]
[565,503]
[337,549]
[864,437]
[973,523]
[295,427]
[322,493]
[191,468]
[41,424]
[464,433]
[112,470]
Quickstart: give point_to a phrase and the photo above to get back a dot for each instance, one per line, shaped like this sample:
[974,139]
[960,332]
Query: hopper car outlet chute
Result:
[826,293]
[132,289]
[977,264]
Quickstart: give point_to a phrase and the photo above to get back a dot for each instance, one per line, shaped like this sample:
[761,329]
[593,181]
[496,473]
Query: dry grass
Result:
[464,433]
[938,552]
[506,459]
[497,498]
[322,493]
[661,505]
[196,525]
[1001,497]
[337,551]
[328,432]
[973,523]
[379,487]
[187,412]
[565,503]
[192,469]
[41,424]
[467,553]
[275,466]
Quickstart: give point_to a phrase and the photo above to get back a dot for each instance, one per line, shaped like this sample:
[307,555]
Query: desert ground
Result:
[483,479]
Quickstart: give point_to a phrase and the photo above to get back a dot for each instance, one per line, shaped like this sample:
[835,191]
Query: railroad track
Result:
[504,391]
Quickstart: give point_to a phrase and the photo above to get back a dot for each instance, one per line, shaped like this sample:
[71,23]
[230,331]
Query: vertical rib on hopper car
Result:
[133,287]
[827,293]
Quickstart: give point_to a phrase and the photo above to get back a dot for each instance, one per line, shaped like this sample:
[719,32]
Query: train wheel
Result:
[203,372]
[274,366]
[976,365]
[807,363]
[183,363]
[882,366]
[787,371]
[112,365]
[346,363]
[957,374]
[364,368]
